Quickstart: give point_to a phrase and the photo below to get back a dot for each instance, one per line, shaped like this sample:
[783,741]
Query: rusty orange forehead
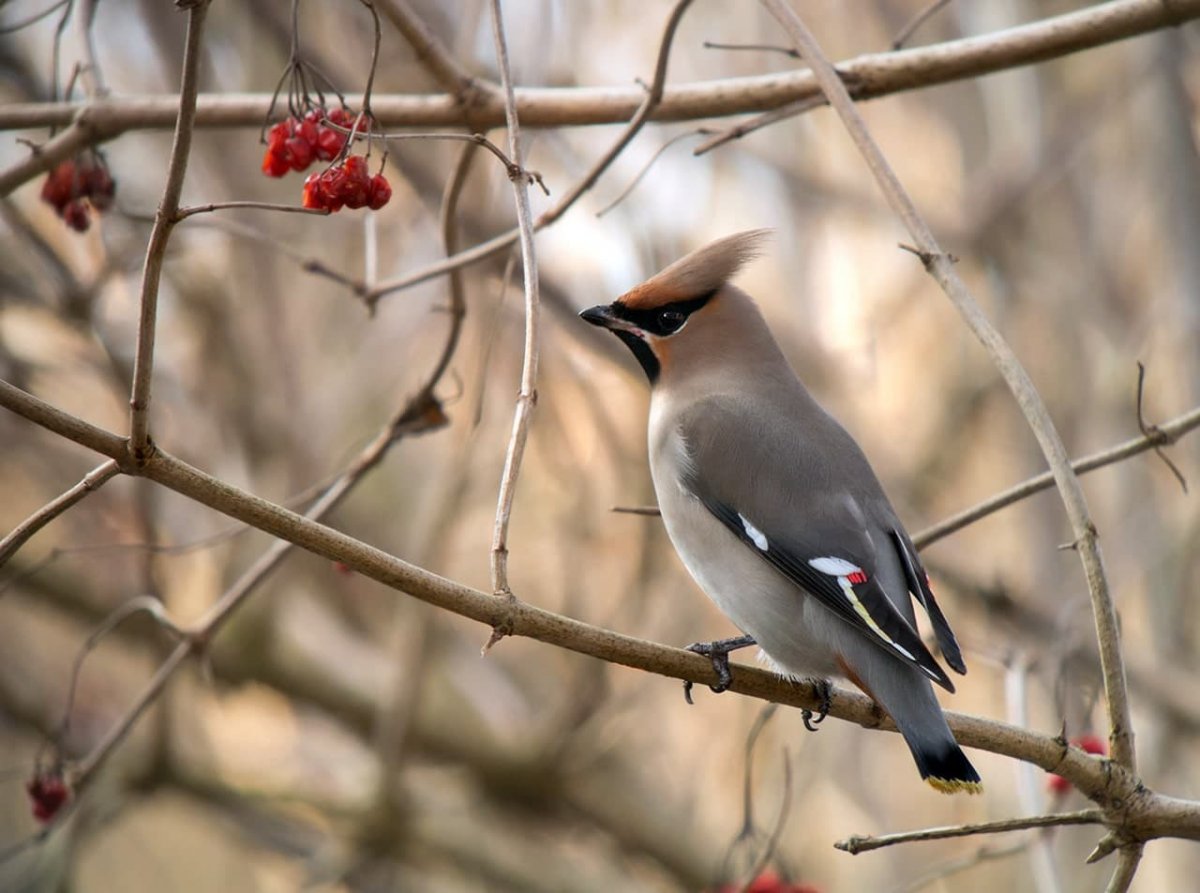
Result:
[652,294]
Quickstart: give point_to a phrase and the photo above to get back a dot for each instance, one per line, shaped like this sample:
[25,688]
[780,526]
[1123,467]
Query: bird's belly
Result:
[792,630]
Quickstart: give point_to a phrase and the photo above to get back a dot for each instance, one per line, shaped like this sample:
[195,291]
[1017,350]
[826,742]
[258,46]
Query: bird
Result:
[775,510]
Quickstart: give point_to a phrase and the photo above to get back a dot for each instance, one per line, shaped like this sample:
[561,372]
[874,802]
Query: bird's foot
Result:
[718,653]
[824,691]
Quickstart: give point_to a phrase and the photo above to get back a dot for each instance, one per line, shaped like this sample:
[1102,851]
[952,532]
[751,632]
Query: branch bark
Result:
[872,76]
[164,222]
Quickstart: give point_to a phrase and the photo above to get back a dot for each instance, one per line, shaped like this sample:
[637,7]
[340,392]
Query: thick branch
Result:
[874,75]
[941,267]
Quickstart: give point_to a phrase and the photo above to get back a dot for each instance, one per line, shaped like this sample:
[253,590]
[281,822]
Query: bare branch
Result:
[651,101]
[941,268]
[1127,864]
[92,481]
[1159,435]
[1149,431]
[527,398]
[184,213]
[432,54]
[874,75]
[164,221]
[923,16]
[855,845]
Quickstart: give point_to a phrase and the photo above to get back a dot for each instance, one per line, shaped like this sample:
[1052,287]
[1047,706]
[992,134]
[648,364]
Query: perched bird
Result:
[773,507]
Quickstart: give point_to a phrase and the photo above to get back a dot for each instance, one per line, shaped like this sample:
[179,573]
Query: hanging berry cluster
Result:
[293,145]
[347,184]
[77,183]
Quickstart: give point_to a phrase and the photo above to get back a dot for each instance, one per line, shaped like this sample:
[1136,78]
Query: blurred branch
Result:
[941,267]
[652,100]
[527,396]
[164,222]
[1155,437]
[467,89]
[871,76]
[904,34]
[858,844]
[92,481]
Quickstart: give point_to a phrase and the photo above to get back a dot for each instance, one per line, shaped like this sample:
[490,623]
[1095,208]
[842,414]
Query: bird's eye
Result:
[671,321]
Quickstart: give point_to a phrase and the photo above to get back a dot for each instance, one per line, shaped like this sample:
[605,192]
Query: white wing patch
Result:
[835,567]
[756,536]
[848,574]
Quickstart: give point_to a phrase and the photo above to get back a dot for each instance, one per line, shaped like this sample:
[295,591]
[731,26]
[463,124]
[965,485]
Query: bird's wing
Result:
[767,492]
[918,585]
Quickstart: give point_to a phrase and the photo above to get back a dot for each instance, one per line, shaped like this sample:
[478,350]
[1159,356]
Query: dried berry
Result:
[379,192]
[47,792]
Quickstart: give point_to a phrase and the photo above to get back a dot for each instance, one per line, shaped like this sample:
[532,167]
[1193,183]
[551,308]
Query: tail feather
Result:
[948,770]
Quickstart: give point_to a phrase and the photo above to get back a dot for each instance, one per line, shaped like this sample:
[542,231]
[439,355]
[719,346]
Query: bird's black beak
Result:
[600,315]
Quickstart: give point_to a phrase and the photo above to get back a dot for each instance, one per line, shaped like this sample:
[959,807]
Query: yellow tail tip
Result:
[955,786]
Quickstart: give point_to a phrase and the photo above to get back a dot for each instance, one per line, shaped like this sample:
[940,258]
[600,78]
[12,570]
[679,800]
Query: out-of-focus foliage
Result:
[353,739]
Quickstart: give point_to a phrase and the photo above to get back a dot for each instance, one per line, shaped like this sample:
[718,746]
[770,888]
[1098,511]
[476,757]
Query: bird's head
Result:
[690,304]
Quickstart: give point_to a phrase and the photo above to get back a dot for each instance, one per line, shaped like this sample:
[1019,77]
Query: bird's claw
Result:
[718,653]
[824,691]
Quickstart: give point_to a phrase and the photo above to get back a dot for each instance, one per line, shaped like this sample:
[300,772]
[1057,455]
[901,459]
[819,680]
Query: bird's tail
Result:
[946,768]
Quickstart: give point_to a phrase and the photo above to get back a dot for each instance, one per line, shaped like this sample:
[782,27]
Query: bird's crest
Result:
[700,273]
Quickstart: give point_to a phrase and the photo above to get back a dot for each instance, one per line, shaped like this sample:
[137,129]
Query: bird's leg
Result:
[824,691]
[718,653]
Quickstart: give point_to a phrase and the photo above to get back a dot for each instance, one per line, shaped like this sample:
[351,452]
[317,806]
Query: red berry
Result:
[48,793]
[278,133]
[330,186]
[329,143]
[1057,785]
[99,187]
[298,152]
[314,195]
[307,130]
[1092,744]
[59,185]
[76,215]
[379,192]
[356,182]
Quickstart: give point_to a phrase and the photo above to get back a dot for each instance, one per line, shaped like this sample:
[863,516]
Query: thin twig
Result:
[184,213]
[941,268]
[513,169]
[1160,434]
[954,866]
[624,193]
[437,60]
[858,844]
[33,19]
[766,119]
[1151,431]
[651,101]
[903,35]
[753,47]
[527,398]
[92,481]
[164,222]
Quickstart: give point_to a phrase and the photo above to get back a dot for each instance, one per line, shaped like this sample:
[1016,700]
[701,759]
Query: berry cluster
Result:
[347,184]
[292,145]
[73,181]
[47,792]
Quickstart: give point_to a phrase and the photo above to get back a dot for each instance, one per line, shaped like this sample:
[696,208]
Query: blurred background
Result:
[345,737]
